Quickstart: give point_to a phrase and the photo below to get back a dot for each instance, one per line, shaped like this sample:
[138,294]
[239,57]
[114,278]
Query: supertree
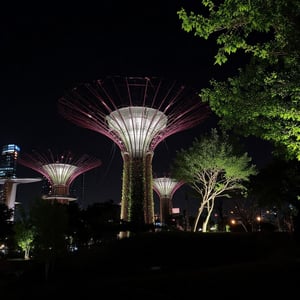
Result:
[136,113]
[9,190]
[165,187]
[60,170]
[8,178]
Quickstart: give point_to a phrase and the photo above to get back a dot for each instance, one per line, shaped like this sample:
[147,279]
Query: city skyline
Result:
[46,54]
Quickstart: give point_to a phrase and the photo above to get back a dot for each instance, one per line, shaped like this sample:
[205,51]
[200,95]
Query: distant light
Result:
[176,210]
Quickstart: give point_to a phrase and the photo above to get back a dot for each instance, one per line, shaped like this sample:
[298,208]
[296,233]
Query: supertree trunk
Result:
[137,204]
[137,192]
[148,199]
[10,189]
[125,187]
[165,209]
[124,216]
[60,189]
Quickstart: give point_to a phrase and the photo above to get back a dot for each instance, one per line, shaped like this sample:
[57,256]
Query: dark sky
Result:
[46,51]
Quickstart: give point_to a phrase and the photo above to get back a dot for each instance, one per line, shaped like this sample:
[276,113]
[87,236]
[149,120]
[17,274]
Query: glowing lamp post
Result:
[165,187]
[136,113]
[60,171]
[258,218]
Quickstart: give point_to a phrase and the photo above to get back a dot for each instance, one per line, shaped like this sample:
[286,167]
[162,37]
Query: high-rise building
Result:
[8,161]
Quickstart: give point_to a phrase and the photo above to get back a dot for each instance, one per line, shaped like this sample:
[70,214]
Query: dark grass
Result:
[166,264]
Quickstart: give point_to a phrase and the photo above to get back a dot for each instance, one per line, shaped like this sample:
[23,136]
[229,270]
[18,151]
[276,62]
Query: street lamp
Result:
[258,218]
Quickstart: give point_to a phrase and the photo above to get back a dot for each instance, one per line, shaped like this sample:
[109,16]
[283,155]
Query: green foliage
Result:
[263,100]
[136,205]
[5,223]
[236,22]
[24,233]
[213,169]
[50,219]
[278,184]
[24,236]
[212,154]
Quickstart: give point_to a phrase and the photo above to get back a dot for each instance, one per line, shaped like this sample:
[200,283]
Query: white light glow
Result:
[137,126]
[165,186]
[60,173]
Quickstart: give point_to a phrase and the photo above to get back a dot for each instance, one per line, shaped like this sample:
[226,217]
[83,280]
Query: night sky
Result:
[45,52]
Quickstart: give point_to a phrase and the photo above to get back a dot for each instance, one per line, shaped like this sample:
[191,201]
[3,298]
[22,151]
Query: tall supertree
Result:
[136,113]
[60,170]
[165,187]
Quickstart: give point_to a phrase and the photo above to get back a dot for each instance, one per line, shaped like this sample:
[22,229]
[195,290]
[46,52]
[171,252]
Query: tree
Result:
[50,219]
[247,211]
[213,169]
[6,224]
[51,222]
[263,98]
[24,236]
[24,233]
[277,186]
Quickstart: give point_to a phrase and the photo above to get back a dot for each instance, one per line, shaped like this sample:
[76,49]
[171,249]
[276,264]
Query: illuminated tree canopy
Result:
[213,169]
[263,99]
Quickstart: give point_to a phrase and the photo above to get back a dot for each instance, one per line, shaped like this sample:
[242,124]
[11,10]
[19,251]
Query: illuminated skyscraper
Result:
[8,179]
[8,161]
[60,171]
[137,113]
[165,187]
